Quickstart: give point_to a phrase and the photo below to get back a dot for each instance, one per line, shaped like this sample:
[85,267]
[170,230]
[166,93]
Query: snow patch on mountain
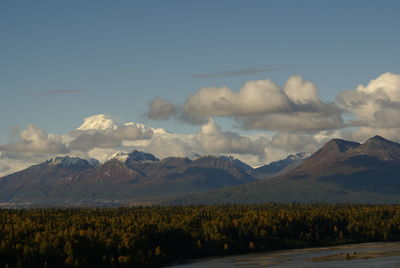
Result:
[120,156]
[67,161]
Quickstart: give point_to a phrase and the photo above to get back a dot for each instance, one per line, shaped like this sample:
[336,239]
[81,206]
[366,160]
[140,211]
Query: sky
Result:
[168,64]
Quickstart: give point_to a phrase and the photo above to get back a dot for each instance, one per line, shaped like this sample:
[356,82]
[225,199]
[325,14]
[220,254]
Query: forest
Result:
[159,235]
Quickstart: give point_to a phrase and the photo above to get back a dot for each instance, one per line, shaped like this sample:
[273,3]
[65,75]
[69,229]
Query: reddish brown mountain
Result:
[135,178]
[347,157]
[341,171]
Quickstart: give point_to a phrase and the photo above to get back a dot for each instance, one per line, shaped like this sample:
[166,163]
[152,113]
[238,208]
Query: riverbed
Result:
[354,255]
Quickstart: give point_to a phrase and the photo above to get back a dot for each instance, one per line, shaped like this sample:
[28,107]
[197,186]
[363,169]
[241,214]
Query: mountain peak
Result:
[67,161]
[138,156]
[330,153]
[379,139]
[283,165]
[339,145]
[380,145]
[98,122]
[223,161]
[106,122]
[120,156]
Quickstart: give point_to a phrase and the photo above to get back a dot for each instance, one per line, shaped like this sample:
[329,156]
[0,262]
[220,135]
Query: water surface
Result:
[354,255]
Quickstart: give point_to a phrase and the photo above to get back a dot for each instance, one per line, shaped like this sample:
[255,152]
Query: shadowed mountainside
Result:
[137,177]
[341,171]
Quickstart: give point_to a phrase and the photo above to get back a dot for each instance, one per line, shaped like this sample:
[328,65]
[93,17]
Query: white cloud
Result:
[8,165]
[256,97]
[363,133]
[32,141]
[293,142]
[108,138]
[375,105]
[328,117]
[167,146]
[101,139]
[263,105]
[214,141]
[33,146]
[290,119]
[300,91]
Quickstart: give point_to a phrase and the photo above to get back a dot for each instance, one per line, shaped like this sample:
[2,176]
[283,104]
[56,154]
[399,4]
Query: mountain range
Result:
[340,171]
[137,178]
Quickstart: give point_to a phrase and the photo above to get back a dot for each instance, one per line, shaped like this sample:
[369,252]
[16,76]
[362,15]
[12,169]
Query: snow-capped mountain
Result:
[140,178]
[138,156]
[135,156]
[98,122]
[281,166]
[66,161]
[120,156]
[105,122]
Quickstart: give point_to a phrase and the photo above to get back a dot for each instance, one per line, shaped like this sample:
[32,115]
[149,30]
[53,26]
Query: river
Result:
[354,255]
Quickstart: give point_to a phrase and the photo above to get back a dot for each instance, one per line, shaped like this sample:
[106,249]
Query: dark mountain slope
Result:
[51,179]
[281,166]
[137,177]
[341,171]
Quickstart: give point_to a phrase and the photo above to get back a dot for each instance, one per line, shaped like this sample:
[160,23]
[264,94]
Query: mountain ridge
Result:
[138,177]
[340,171]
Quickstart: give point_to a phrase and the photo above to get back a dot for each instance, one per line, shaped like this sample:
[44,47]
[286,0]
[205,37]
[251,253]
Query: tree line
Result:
[157,236]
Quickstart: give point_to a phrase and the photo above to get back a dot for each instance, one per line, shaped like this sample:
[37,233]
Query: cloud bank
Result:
[34,141]
[375,107]
[284,120]
[258,105]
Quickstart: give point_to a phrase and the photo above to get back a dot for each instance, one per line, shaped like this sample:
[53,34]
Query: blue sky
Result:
[114,57]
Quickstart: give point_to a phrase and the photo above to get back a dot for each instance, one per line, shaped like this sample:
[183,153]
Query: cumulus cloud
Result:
[34,140]
[131,133]
[375,105]
[9,165]
[167,146]
[214,141]
[161,109]
[301,91]
[256,149]
[33,145]
[290,119]
[258,105]
[107,138]
[256,97]
[307,113]
[290,142]
[263,105]
[101,139]
[328,117]
[363,133]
